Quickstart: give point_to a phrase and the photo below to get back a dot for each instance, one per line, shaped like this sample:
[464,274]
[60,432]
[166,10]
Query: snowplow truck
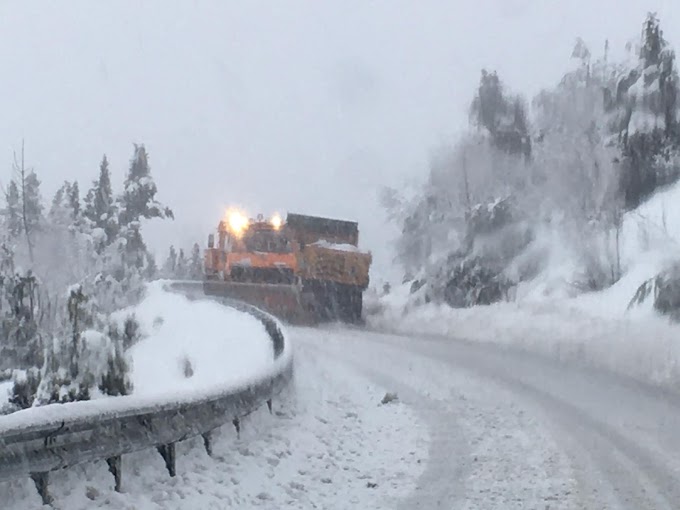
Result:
[305,270]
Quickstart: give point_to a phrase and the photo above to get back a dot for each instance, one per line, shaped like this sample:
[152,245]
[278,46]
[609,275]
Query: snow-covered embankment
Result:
[594,328]
[194,346]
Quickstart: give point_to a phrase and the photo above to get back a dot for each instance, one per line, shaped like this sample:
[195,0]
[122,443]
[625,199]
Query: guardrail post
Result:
[207,443]
[41,481]
[168,453]
[116,469]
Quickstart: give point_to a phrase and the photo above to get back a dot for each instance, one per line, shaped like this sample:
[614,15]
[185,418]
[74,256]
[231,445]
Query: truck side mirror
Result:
[211,241]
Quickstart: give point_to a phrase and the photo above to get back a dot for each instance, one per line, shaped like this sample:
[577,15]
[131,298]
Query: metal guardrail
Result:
[81,432]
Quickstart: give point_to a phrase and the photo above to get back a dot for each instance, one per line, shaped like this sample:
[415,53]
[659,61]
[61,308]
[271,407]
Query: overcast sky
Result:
[300,106]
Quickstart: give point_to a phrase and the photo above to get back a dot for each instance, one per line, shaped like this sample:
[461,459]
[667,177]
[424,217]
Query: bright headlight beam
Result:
[276,221]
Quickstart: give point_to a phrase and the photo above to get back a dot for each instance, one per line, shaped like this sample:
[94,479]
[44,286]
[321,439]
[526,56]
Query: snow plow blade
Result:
[281,300]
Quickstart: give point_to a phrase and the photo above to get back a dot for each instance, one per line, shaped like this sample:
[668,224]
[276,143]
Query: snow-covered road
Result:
[476,427]
[510,430]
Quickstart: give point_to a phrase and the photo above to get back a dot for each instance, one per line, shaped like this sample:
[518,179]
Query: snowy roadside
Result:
[330,444]
[189,349]
[592,329]
[195,345]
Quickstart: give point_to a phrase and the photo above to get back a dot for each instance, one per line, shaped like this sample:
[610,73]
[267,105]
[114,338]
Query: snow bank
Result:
[585,330]
[227,349]
[193,345]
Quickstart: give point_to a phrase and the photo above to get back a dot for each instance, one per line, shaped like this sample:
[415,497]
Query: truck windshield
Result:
[267,241]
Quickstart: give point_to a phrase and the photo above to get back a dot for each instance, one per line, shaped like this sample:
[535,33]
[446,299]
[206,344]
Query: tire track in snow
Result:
[488,451]
[617,438]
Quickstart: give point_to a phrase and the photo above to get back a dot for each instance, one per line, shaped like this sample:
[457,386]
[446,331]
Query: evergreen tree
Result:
[100,207]
[489,105]
[139,197]
[653,42]
[74,201]
[503,117]
[13,211]
[643,116]
[151,268]
[65,207]
[182,265]
[134,247]
[170,265]
[32,203]
[196,265]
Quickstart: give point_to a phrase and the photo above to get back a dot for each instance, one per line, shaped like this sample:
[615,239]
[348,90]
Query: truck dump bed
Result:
[310,229]
[328,250]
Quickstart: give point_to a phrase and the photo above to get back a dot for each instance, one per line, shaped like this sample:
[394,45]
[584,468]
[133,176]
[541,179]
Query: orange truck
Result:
[305,269]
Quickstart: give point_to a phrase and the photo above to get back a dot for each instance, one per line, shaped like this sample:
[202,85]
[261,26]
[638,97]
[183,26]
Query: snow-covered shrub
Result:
[663,290]
[476,273]
[126,330]
[115,379]
[485,218]
[19,304]
[472,282]
[88,355]
[25,386]
[667,293]
[62,379]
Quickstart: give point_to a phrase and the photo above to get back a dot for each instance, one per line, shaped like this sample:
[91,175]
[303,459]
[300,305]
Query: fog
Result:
[300,106]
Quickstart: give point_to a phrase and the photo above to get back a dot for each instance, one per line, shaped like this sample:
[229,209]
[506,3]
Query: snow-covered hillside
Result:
[549,317]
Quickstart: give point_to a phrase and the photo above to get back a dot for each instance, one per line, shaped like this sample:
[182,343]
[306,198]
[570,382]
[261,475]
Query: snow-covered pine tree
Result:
[151,267]
[74,201]
[139,197]
[502,116]
[100,205]
[644,113]
[196,264]
[63,212]
[182,265]
[32,203]
[138,202]
[13,210]
[170,264]
[134,254]
[489,104]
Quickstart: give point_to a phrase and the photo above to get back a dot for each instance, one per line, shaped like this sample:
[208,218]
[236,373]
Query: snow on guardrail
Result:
[39,440]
